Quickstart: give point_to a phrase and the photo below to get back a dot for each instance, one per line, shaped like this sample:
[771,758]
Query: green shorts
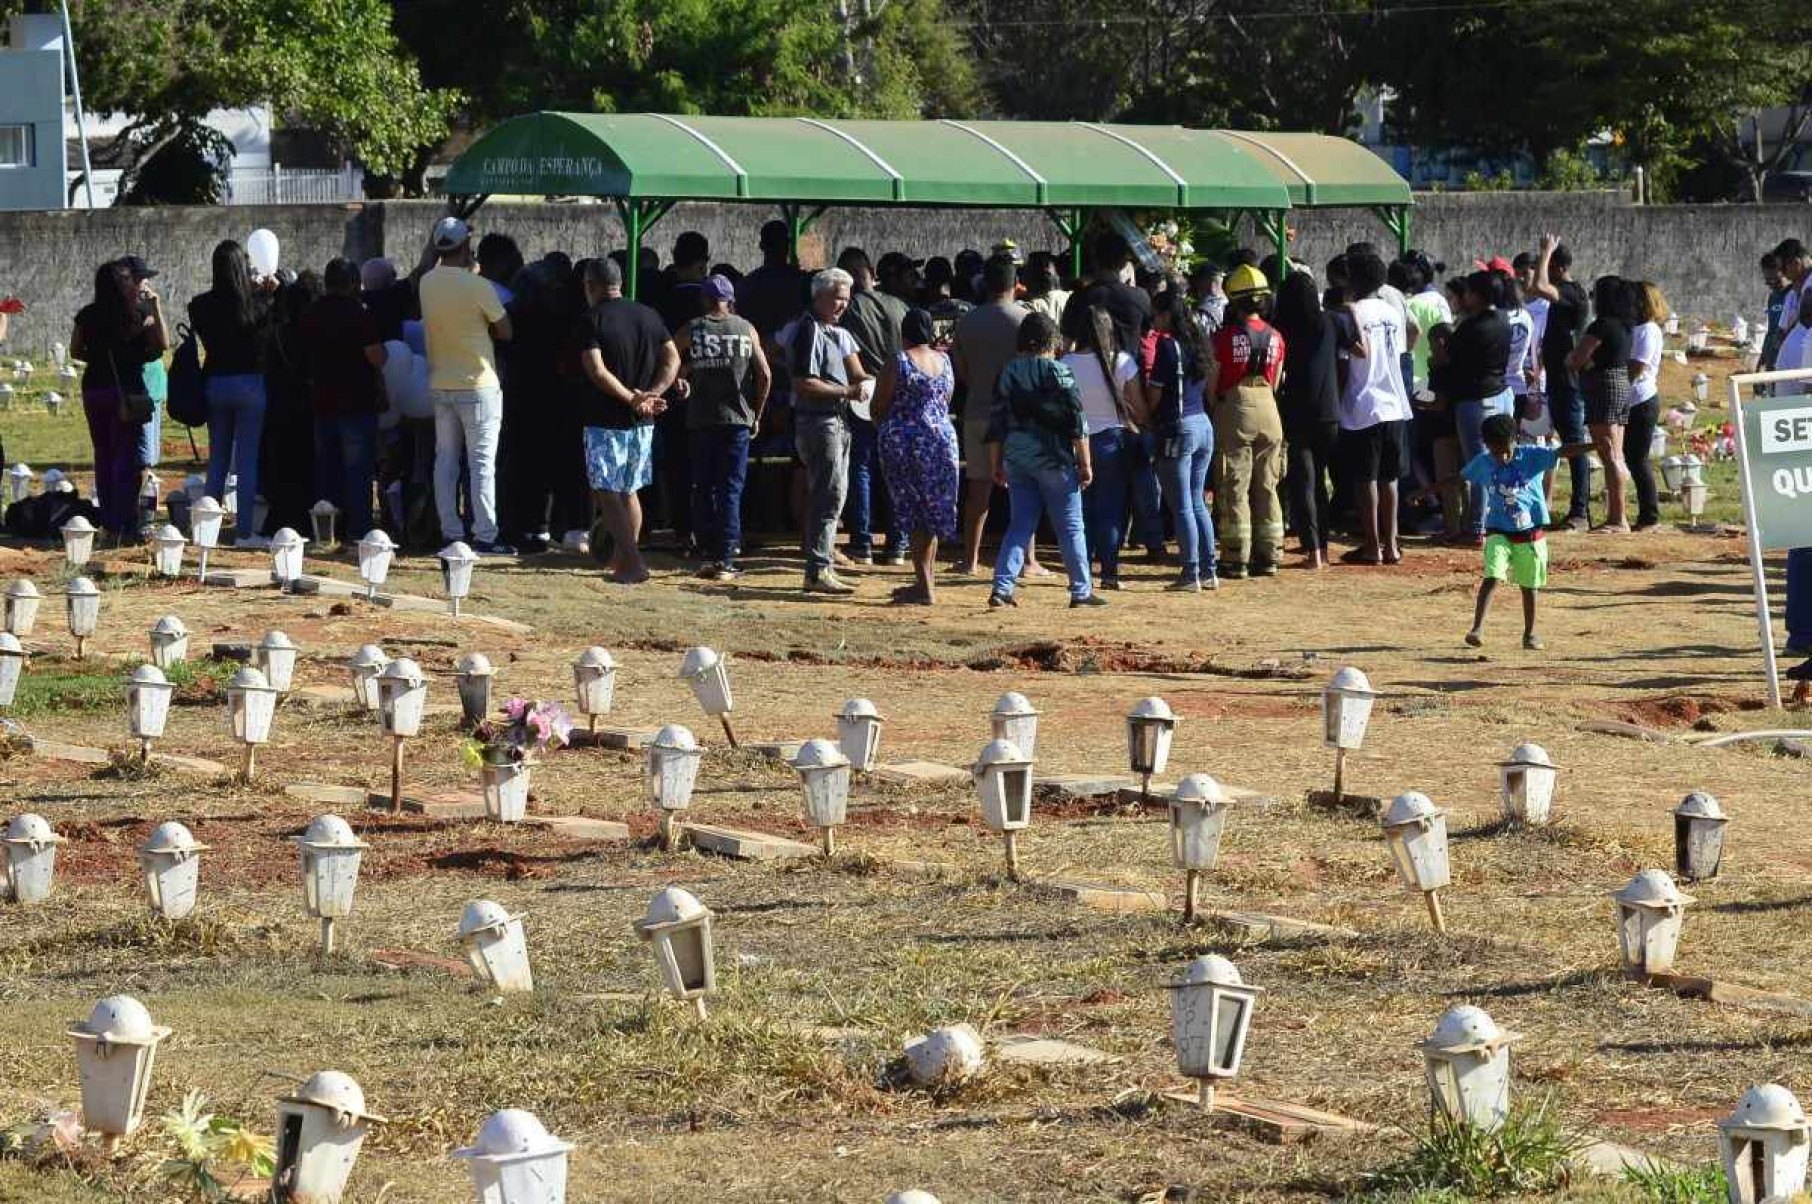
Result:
[1521,564]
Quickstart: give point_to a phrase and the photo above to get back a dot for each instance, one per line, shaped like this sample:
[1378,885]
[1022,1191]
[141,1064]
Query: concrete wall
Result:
[1704,256]
[31,93]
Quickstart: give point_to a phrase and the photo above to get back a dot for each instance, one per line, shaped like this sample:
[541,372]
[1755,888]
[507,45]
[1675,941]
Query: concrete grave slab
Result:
[1277,1121]
[916,773]
[744,845]
[579,827]
[1689,986]
[323,696]
[1611,1159]
[81,754]
[924,871]
[626,739]
[239,578]
[775,750]
[448,804]
[1163,792]
[1360,806]
[1030,1050]
[1275,927]
[330,796]
[1103,897]
[410,959]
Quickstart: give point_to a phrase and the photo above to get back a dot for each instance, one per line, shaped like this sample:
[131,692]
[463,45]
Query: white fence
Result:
[277,185]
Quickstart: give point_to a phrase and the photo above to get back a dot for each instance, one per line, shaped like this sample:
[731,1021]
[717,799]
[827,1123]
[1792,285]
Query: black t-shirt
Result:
[391,306]
[1476,356]
[1310,392]
[336,330]
[1566,321]
[770,297]
[680,302]
[1129,308]
[231,347]
[629,336]
[1613,350]
[110,350]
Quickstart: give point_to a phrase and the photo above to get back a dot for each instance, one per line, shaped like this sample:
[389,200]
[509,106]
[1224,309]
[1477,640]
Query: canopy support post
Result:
[637,216]
[1275,225]
[798,221]
[1396,218]
[1070,223]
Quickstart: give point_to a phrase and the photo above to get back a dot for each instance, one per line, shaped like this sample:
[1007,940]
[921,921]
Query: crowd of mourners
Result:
[520,405]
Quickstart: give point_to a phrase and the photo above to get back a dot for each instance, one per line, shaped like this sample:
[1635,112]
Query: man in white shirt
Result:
[463,319]
[1374,408]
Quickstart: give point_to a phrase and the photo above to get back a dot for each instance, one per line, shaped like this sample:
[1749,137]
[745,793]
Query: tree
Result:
[332,65]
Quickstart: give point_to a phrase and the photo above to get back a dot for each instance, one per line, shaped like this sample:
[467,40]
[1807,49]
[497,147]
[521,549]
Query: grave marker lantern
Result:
[196,486]
[167,545]
[1198,812]
[475,678]
[19,479]
[506,790]
[12,667]
[1210,1015]
[330,872]
[205,518]
[456,561]
[679,928]
[516,1161]
[275,657]
[1003,784]
[115,1050]
[169,642]
[148,694]
[672,766]
[402,697]
[496,946]
[376,551]
[1701,383]
[1416,831]
[859,733]
[82,605]
[251,704]
[594,684]
[31,858]
[1763,1146]
[1671,476]
[824,774]
[324,518]
[1150,726]
[911,1195]
[1651,911]
[170,860]
[1699,824]
[1467,1062]
[365,665]
[1526,784]
[286,557]
[709,676]
[945,1057]
[22,600]
[321,1127]
[1015,720]
[78,541]
[1346,711]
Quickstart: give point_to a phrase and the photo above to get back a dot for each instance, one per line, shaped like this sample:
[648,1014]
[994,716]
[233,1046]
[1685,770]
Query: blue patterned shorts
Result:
[619,461]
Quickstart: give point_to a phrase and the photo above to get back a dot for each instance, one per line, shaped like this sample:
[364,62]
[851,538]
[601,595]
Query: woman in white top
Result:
[1519,369]
[1114,412]
[1645,406]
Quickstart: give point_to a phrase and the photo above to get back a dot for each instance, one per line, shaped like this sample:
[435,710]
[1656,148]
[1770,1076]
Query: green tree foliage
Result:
[738,57]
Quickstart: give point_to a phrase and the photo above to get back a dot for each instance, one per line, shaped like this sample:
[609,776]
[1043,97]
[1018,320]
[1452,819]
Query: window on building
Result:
[16,146]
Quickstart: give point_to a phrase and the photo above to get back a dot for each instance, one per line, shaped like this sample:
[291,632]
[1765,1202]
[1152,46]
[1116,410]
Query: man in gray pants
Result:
[826,369]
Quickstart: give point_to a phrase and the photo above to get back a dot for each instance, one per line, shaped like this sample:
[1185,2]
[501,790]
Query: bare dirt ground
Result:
[753,1103]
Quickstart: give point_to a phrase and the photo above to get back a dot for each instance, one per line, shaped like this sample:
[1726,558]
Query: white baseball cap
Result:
[450,234]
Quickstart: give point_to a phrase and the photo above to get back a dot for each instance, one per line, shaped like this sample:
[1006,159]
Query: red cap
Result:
[1497,263]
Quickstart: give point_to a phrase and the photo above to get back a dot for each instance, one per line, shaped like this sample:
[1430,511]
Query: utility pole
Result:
[75,87]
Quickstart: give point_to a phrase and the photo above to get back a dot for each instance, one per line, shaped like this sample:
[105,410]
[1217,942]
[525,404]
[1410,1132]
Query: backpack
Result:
[187,401]
[42,515]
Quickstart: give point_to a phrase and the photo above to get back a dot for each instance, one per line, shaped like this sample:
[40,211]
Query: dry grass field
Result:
[784,1092]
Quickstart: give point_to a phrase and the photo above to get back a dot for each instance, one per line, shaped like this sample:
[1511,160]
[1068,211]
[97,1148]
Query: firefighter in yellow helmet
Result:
[1248,428]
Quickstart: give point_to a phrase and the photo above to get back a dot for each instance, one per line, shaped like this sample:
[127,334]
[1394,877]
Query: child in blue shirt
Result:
[1516,514]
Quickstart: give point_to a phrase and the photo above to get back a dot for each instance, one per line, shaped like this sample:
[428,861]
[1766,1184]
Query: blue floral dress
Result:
[919,449]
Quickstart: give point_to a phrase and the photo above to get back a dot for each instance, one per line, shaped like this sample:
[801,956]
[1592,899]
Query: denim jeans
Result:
[466,427]
[151,435]
[720,467]
[1185,481]
[345,463]
[1147,501]
[1104,501]
[1469,417]
[823,442]
[1032,495]
[235,428]
[865,485]
[1799,599]
[1566,407]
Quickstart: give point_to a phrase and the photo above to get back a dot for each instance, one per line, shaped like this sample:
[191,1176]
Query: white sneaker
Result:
[252,543]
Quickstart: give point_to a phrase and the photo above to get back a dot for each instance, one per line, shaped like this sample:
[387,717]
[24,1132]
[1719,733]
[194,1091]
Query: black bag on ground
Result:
[43,515]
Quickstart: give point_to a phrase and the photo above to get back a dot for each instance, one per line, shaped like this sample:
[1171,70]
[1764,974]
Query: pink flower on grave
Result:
[515,709]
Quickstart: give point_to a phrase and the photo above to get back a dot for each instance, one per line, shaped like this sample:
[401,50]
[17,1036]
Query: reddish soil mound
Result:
[1680,710]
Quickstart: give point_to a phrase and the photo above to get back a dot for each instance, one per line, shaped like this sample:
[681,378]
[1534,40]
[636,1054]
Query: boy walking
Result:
[1516,518]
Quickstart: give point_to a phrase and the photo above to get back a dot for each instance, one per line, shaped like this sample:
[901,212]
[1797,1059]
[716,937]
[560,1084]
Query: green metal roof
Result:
[994,164]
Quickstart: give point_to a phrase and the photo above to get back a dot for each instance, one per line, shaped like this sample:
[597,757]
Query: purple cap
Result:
[718,288]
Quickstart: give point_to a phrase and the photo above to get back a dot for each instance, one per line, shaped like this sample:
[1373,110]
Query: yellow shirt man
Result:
[458,309]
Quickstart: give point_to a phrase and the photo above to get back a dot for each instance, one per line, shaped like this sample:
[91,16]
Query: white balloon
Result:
[406,380]
[261,248]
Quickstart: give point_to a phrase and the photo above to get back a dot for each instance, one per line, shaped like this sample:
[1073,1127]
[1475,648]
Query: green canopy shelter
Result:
[647,162]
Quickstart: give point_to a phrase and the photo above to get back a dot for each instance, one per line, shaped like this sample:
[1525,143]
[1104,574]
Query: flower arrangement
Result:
[526,727]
